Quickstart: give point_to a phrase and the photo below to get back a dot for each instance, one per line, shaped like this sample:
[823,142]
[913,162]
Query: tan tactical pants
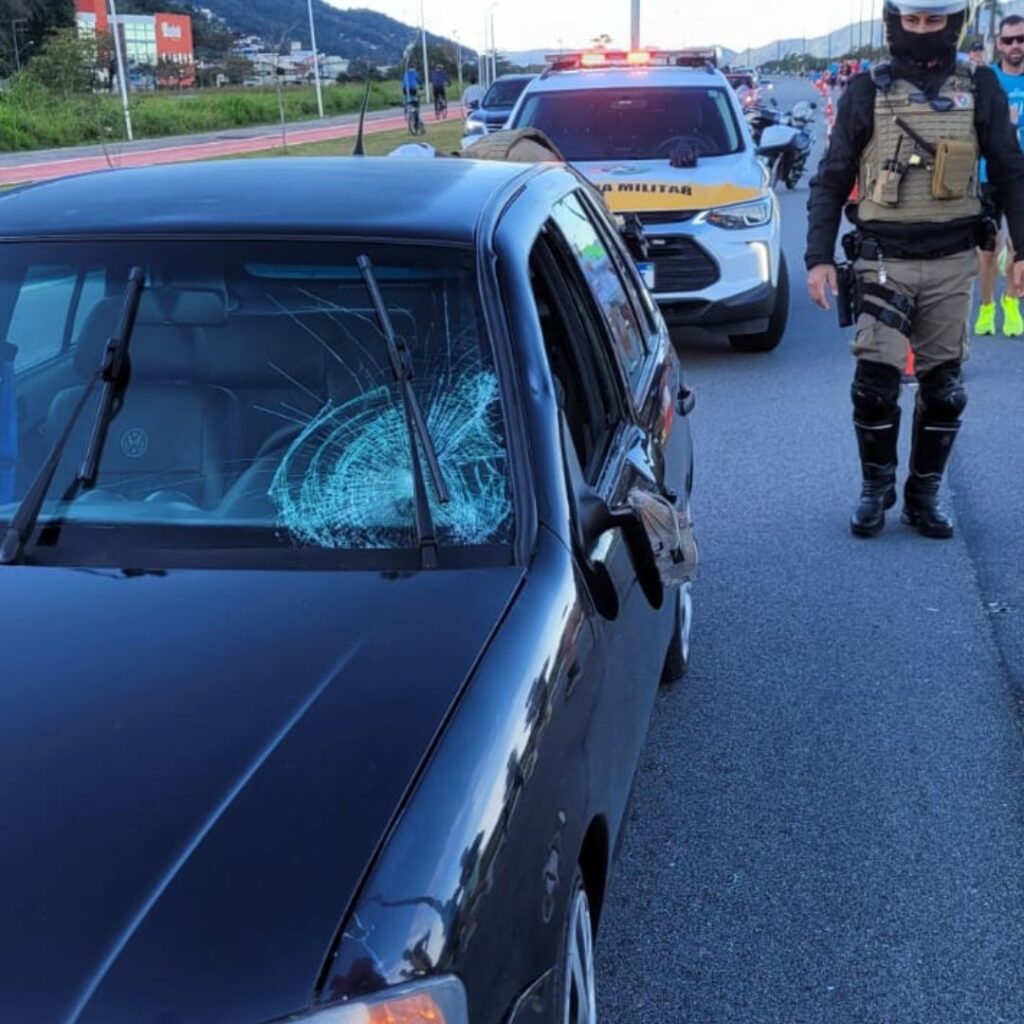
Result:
[941,291]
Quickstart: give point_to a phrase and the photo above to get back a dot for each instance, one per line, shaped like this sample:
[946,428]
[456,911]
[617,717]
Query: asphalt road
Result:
[828,824]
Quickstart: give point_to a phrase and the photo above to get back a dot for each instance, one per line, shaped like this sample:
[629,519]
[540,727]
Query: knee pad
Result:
[941,394]
[875,391]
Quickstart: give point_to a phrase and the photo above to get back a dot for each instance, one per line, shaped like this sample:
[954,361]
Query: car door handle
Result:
[685,401]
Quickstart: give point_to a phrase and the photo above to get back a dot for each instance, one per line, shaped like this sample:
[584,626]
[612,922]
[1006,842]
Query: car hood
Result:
[198,767]
[637,186]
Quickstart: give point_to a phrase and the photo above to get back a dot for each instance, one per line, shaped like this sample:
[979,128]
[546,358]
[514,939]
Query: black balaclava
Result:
[924,48]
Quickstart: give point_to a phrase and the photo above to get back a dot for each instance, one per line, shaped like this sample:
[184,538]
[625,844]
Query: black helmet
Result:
[925,47]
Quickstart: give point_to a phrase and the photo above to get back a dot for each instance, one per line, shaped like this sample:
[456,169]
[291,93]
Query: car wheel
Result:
[575,995]
[769,339]
[677,657]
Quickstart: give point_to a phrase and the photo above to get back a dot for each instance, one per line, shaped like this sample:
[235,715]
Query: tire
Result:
[575,1001]
[677,657]
[769,339]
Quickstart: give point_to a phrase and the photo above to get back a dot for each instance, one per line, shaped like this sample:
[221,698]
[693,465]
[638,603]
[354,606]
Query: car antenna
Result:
[358,149]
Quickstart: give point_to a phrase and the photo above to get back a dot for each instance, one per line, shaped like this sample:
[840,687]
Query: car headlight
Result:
[742,215]
[474,123]
[436,1001]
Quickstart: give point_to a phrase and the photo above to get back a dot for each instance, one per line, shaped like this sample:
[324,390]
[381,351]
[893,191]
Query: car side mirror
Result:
[592,519]
[633,235]
[595,520]
[473,105]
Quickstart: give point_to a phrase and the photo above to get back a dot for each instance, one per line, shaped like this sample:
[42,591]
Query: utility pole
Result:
[485,60]
[494,48]
[316,60]
[427,88]
[122,79]
[14,23]
[990,47]
[634,25]
[458,46]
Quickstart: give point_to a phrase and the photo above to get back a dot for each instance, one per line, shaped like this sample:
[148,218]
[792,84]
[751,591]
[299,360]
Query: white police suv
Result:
[661,134]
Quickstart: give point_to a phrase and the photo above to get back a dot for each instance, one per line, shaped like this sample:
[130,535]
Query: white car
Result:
[662,135]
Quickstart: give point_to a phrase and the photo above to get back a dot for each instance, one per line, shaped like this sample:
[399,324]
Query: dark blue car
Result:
[331,627]
[491,113]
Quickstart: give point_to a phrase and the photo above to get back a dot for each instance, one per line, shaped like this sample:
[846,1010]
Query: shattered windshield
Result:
[261,409]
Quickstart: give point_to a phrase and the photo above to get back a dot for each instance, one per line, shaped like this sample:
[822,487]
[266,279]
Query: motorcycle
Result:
[786,145]
[762,116]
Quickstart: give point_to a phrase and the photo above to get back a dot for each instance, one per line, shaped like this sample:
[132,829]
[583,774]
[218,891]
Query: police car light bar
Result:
[574,60]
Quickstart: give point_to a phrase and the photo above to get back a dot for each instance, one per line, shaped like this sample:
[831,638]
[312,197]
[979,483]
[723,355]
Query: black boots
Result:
[931,445]
[877,444]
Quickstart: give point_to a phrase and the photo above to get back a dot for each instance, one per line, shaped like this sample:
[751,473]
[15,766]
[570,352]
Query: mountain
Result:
[355,34]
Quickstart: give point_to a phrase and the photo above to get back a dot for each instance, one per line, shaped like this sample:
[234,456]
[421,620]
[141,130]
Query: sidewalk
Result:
[40,165]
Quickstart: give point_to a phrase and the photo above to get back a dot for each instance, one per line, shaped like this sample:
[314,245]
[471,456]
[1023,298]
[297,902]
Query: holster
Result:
[846,302]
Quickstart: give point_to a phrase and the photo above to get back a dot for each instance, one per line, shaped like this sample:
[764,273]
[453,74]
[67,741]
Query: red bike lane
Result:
[170,154]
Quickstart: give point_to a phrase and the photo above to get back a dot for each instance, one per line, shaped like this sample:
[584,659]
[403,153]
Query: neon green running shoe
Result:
[986,322]
[1013,323]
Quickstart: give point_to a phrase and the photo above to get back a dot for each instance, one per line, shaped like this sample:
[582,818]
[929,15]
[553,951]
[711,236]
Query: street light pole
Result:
[121,77]
[494,47]
[316,59]
[427,88]
[458,47]
[634,25]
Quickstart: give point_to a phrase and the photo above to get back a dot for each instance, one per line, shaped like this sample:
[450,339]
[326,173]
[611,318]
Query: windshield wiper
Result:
[401,367]
[113,373]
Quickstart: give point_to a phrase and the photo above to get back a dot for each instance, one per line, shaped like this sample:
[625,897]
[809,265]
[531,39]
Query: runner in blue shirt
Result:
[1010,72]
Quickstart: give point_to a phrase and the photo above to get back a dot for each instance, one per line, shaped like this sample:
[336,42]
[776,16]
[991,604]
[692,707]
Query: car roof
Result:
[623,77]
[436,199]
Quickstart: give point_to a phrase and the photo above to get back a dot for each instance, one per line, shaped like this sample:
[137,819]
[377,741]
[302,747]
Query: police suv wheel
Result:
[770,338]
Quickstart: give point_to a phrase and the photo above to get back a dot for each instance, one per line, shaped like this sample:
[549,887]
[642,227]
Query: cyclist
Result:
[439,81]
[411,96]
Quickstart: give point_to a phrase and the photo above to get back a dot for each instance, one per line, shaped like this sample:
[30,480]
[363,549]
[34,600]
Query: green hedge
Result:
[34,118]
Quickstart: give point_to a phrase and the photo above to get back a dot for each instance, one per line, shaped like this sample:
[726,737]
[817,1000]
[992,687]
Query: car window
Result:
[261,406]
[597,262]
[38,322]
[577,347]
[633,123]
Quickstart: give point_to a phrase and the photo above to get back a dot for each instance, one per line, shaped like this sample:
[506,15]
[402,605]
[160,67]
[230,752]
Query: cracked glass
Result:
[262,403]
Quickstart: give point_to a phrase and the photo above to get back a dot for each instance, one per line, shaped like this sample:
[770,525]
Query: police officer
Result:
[909,133]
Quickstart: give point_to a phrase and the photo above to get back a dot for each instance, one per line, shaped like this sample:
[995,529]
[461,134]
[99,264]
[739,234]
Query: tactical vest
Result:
[933,178]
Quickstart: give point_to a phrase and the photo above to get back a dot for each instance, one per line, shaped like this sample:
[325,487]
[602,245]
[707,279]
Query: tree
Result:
[237,68]
[67,63]
[25,25]
[602,40]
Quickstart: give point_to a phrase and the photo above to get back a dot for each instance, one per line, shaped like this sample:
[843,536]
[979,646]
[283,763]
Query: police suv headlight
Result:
[436,1001]
[740,216]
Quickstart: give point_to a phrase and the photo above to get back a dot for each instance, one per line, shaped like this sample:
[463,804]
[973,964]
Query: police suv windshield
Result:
[261,415]
[634,123]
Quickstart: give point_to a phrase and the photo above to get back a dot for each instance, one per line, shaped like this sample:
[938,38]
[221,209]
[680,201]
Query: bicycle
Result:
[413,120]
[440,105]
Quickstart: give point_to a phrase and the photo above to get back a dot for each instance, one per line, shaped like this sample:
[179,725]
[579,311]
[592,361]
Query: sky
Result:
[538,24]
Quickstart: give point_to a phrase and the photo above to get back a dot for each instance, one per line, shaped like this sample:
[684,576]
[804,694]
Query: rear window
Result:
[632,123]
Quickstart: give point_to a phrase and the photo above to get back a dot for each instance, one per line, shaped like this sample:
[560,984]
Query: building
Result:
[149,42]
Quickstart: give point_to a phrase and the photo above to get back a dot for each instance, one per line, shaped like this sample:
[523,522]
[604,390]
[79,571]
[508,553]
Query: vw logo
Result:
[135,443]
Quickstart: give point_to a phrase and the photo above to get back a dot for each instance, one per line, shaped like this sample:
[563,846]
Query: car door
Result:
[599,445]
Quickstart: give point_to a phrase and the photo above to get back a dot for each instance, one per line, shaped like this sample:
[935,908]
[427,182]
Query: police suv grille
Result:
[668,217]
[681,265]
